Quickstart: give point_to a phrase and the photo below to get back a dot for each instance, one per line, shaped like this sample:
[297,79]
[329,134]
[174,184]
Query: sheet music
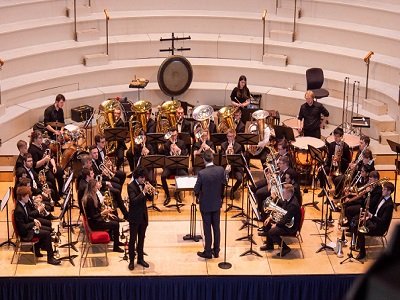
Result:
[185,182]
[5,199]
[100,196]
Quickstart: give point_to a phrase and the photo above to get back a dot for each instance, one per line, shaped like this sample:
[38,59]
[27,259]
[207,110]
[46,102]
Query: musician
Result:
[22,148]
[121,147]
[202,145]
[377,218]
[237,118]
[231,147]
[209,190]
[31,173]
[251,152]
[42,161]
[139,192]
[26,225]
[55,113]
[112,184]
[173,147]
[310,116]
[240,95]
[291,177]
[142,149]
[96,215]
[337,159]
[283,151]
[182,124]
[86,176]
[274,229]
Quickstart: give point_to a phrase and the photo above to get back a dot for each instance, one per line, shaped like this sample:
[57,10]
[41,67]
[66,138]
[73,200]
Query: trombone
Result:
[107,170]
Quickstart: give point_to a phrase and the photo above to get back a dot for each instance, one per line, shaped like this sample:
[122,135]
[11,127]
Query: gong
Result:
[175,75]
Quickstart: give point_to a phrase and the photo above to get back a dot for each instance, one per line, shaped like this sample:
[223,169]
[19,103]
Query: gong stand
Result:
[173,39]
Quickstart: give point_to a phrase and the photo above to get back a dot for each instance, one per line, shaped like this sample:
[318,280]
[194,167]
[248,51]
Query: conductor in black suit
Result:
[139,192]
[209,189]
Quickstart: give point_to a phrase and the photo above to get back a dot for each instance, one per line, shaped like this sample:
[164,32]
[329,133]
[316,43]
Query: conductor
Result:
[209,189]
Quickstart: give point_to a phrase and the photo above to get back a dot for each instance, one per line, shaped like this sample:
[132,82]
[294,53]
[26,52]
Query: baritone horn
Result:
[277,212]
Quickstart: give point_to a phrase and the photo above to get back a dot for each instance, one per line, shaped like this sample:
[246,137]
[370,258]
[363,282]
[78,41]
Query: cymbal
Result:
[56,124]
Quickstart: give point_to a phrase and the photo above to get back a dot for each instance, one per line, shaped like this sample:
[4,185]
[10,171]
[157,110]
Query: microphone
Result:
[264,14]
[107,15]
[368,56]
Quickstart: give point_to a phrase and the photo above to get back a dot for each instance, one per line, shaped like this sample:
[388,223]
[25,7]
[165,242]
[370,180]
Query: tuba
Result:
[167,110]
[258,127]
[225,116]
[140,108]
[202,114]
[105,120]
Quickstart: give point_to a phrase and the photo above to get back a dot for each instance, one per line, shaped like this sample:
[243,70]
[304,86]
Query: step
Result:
[271,59]
[388,135]
[375,106]
[90,34]
[9,160]
[281,35]
[388,171]
[97,59]
[7,173]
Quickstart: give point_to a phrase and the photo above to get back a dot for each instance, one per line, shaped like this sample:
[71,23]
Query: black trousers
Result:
[237,174]
[167,172]
[313,132]
[274,234]
[113,226]
[137,234]
[211,221]
[44,241]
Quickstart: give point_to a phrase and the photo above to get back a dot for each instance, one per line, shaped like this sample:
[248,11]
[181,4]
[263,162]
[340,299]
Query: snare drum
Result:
[292,123]
[301,153]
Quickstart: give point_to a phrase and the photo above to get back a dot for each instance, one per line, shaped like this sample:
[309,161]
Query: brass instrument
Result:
[362,221]
[140,108]
[45,187]
[108,204]
[175,150]
[151,190]
[203,115]
[38,203]
[257,127]
[167,110]
[336,160]
[105,120]
[372,185]
[275,181]
[107,167]
[46,153]
[277,212]
[225,116]
[230,150]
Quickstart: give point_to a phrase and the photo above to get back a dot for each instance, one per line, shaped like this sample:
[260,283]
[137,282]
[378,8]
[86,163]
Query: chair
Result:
[315,80]
[297,234]
[93,238]
[19,244]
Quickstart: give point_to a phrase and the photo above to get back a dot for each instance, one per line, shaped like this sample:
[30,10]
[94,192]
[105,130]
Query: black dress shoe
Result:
[167,201]
[53,261]
[215,254]
[131,265]
[178,197]
[361,255]
[321,194]
[51,217]
[284,252]
[143,263]
[262,233]
[38,254]
[204,255]
[118,249]
[267,248]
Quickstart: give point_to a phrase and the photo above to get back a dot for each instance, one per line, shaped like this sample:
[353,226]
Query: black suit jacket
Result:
[151,126]
[19,163]
[379,224]
[93,213]
[137,204]
[212,128]
[237,148]
[179,143]
[23,222]
[186,126]
[293,211]
[209,188]
[346,156]
[240,127]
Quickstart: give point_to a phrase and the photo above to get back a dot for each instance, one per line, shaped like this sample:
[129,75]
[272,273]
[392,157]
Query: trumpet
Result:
[229,149]
[150,189]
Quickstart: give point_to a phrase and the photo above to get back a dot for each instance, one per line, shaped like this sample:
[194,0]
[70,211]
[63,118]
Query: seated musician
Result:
[282,225]
[55,114]
[283,151]
[231,147]
[237,118]
[100,218]
[173,147]
[100,141]
[337,159]
[376,219]
[22,148]
[109,181]
[28,227]
[86,175]
[182,124]
[43,161]
[121,147]
[291,178]
[202,145]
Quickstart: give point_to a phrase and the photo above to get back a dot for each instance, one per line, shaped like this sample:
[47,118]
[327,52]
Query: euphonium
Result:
[203,115]
[277,212]
[259,116]
[337,159]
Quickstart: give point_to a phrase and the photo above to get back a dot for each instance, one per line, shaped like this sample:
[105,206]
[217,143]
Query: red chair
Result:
[297,234]
[93,238]
[19,245]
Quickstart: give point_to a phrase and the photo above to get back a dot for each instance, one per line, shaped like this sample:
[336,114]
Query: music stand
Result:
[329,204]
[176,162]
[154,162]
[67,208]
[4,203]
[198,161]
[395,147]
[218,138]
[187,183]
[254,211]
[316,155]
[283,132]
[115,135]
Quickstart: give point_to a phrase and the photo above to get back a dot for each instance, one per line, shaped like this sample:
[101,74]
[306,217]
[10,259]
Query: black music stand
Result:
[218,138]
[66,209]
[154,162]
[329,204]
[117,134]
[316,155]
[4,203]
[198,161]
[156,139]
[176,162]
[235,160]
[395,148]
[283,132]
[181,186]
[254,212]
[248,139]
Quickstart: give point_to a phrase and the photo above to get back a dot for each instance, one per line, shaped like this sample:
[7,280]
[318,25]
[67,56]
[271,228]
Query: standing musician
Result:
[55,114]
[203,144]
[121,147]
[237,118]
[337,159]
[240,95]
[139,191]
[173,147]
[28,227]
[310,116]
[182,124]
[43,161]
[231,147]
[22,148]
[283,225]
[209,189]
[98,218]
[377,219]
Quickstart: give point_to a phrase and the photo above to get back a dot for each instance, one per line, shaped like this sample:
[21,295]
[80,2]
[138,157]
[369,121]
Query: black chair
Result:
[315,80]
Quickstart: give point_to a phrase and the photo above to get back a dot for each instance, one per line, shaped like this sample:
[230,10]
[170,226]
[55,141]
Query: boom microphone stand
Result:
[330,204]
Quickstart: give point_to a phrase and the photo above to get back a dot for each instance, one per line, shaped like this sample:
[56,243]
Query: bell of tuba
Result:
[203,115]
[106,108]
[258,126]
[167,110]
[225,116]
[140,108]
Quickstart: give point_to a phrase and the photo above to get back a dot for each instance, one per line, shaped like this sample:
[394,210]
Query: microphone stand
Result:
[324,246]
[225,265]
[7,198]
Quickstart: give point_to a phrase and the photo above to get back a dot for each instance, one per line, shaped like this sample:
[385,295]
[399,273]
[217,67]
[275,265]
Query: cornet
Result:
[151,190]
[46,153]
[229,149]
